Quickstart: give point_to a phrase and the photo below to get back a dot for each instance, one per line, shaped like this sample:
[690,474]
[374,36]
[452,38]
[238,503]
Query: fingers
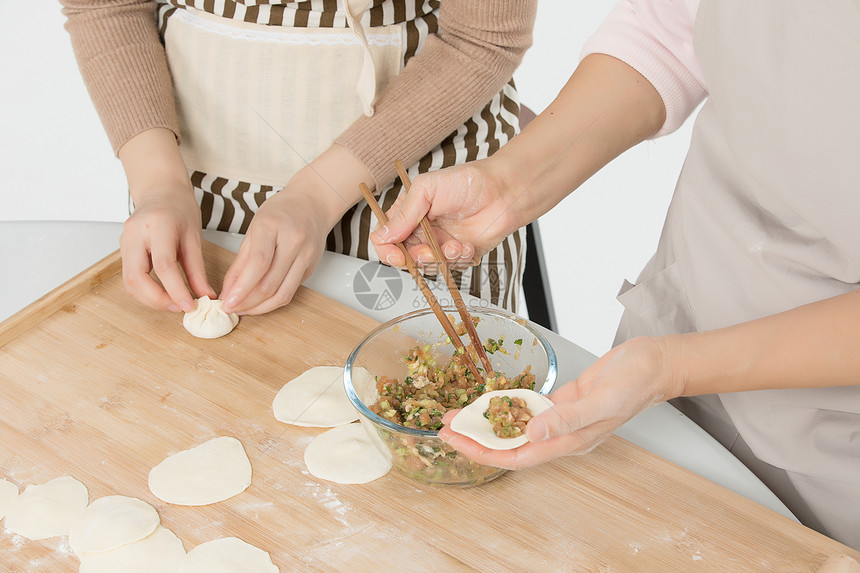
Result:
[138,283]
[277,254]
[528,455]
[252,263]
[163,237]
[405,216]
[277,287]
[557,432]
[191,259]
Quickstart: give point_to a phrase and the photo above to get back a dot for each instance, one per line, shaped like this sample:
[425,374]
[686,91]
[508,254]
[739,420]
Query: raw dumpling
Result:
[346,454]
[208,319]
[316,398]
[161,552]
[8,493]
[47,509]
[111,522]
[208,473]
[228,555]
[470,421]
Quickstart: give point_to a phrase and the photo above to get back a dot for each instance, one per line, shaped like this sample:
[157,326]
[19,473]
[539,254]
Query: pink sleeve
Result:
[655,37]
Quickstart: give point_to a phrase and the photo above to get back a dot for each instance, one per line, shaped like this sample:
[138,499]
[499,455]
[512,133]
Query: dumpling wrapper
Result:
[208,473]
[160,552]
[346,454]
[47,510]
[316,398]
[8,493]
[111,522]
[228,555]
[208,319]
[470,421]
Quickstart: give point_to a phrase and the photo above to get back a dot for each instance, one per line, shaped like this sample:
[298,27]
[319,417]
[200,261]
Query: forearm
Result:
[475,52]
[604,109]
[153,165]
[123,64]
[815,345]
[331,182]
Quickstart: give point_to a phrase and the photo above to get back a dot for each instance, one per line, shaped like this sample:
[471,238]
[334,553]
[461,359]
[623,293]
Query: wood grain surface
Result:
[95,386]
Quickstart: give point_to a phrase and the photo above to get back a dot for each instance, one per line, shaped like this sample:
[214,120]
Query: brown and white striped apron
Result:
[263,88]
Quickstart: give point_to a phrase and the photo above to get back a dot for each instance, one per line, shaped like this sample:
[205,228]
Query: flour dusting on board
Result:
[254,509]
[329,500]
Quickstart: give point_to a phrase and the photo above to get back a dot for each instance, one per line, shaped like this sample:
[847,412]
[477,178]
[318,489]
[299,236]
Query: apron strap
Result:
[366,85]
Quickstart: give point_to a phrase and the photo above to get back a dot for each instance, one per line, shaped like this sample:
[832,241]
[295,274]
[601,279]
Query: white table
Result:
[37,256]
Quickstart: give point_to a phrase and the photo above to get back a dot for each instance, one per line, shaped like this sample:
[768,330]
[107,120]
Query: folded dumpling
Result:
[208,319]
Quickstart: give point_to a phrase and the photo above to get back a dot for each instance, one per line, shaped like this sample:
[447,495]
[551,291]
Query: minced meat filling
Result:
[431,389]
[508,416]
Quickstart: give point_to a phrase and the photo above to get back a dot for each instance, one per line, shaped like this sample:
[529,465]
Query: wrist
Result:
[674,365]
[514,184]
[330,183]
[153,166]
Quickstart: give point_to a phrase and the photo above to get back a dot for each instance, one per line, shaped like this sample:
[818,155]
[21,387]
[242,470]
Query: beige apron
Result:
[257,103]
[765,218]
[263,88]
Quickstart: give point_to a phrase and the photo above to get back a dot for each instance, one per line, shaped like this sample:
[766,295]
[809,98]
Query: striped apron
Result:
[263,88]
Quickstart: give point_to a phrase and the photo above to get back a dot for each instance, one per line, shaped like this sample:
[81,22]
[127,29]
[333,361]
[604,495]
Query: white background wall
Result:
[56,164]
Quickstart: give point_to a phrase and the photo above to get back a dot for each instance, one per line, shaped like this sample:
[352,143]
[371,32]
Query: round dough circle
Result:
[208,473]
[470,421]
[208,319]
[48,509]
[161,552]
[315,398]
[8,493]
[345,454]
[111,522]
[228,555]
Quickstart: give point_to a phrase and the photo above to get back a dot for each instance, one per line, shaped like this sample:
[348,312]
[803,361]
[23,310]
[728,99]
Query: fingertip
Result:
[452,250]
[449,436]
[394,260]
[537,430]
[230,303]
[449,415]
[380,235]
[467,252]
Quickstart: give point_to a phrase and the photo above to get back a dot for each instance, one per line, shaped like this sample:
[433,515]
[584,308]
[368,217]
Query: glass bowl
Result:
[420,454]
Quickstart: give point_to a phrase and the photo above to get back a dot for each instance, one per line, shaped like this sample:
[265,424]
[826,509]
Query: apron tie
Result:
[366,85]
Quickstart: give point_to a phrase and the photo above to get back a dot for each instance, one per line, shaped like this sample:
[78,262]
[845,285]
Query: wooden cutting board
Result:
[95,386]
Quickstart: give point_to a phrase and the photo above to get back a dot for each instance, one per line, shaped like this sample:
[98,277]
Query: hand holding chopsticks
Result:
[425,290]
[449,279]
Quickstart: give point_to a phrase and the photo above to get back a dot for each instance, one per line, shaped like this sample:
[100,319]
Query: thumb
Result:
[561,419]
[405,216]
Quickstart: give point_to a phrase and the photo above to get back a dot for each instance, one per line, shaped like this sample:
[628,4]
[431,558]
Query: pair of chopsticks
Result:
[449,279]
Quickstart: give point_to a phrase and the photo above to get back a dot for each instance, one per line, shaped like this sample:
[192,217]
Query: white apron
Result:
[263,88]
[765,218]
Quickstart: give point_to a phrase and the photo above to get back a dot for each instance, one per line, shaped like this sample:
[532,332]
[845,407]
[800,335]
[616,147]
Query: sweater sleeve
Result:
[478,46]
[655,37]
[123,64]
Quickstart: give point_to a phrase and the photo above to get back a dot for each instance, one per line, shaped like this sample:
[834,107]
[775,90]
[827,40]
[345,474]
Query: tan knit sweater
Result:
[475,52]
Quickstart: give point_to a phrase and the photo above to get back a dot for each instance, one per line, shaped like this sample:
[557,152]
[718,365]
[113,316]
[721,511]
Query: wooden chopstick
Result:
[425,290]
[449,279]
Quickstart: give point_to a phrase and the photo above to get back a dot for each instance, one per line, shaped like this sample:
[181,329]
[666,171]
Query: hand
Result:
[163,235]
[622,383]
[284,242]
[472,208]
[287,235]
